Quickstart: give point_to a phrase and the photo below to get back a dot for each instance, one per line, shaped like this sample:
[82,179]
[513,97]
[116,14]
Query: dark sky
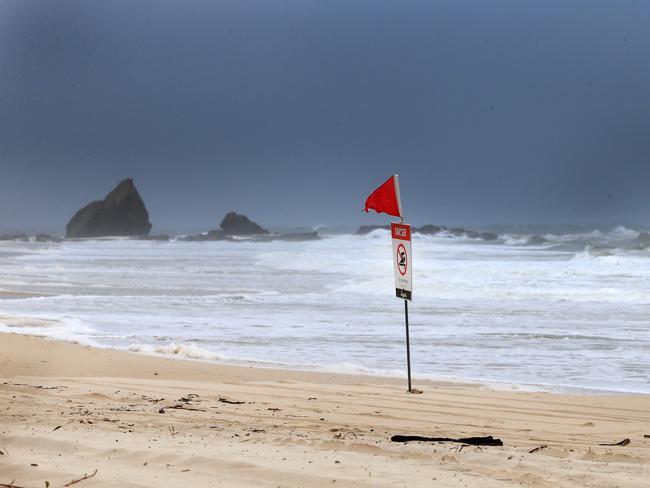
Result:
[293,111]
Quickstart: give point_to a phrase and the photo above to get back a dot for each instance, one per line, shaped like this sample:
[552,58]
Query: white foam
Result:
[190,351]
[567,314]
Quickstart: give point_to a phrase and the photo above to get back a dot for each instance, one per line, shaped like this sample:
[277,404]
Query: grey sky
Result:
[293,111]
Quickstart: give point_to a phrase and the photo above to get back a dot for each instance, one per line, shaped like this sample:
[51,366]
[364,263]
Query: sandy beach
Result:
[67,410]
[234,233]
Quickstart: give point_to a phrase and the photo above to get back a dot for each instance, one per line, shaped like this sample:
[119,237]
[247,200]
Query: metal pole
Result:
[408,345]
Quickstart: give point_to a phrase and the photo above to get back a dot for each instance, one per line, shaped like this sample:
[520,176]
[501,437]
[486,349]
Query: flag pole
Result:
[406,302]
[408,344]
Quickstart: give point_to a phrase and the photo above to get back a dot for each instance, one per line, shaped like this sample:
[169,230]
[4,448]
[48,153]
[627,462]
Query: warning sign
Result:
[402,263]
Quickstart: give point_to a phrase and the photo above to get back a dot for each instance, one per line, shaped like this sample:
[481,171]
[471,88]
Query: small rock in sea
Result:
[235,224]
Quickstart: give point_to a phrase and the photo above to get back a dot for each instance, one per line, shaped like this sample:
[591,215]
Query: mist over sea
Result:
[566,308]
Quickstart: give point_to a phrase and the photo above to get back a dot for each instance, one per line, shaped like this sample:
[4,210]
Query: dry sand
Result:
[66,410]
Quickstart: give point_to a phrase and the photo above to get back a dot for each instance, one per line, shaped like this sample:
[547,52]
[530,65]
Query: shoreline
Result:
[490,385]
[140,420]
[541,338]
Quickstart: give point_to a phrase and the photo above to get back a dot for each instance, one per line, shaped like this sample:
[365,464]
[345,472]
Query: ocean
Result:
[562,310]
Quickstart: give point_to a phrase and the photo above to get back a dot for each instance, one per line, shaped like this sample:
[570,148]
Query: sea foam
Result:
[568,312]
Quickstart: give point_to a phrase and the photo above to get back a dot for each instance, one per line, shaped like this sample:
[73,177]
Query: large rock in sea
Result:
[234,224]
[121,213]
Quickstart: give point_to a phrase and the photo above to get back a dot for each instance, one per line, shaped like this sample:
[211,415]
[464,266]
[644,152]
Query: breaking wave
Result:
[535,306]
[190,351]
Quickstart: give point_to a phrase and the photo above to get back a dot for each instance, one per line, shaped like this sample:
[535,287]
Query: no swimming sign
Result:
[402,262]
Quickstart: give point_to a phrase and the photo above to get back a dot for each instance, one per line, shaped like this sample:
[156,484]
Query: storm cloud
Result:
[293,111]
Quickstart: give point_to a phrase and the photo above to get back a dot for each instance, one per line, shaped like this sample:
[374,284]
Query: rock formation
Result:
[430,229]
[367,229]
[46,238]
[14,237]
[234,224]
[489,236]
[433,230]
[121,213]
[25,238]
[159,238]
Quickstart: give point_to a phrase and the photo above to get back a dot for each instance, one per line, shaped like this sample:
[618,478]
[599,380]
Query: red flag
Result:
[386,198]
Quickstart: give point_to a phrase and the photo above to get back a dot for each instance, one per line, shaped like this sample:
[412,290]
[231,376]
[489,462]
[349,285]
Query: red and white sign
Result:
[402,262]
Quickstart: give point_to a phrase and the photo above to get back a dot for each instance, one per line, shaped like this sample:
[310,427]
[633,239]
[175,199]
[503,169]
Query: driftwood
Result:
[70,483]
[189,398]
[537,449]
[183,407]
[230,402]
[624,442]
[472,441]
[38,387]
[342,435]
[84,477]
